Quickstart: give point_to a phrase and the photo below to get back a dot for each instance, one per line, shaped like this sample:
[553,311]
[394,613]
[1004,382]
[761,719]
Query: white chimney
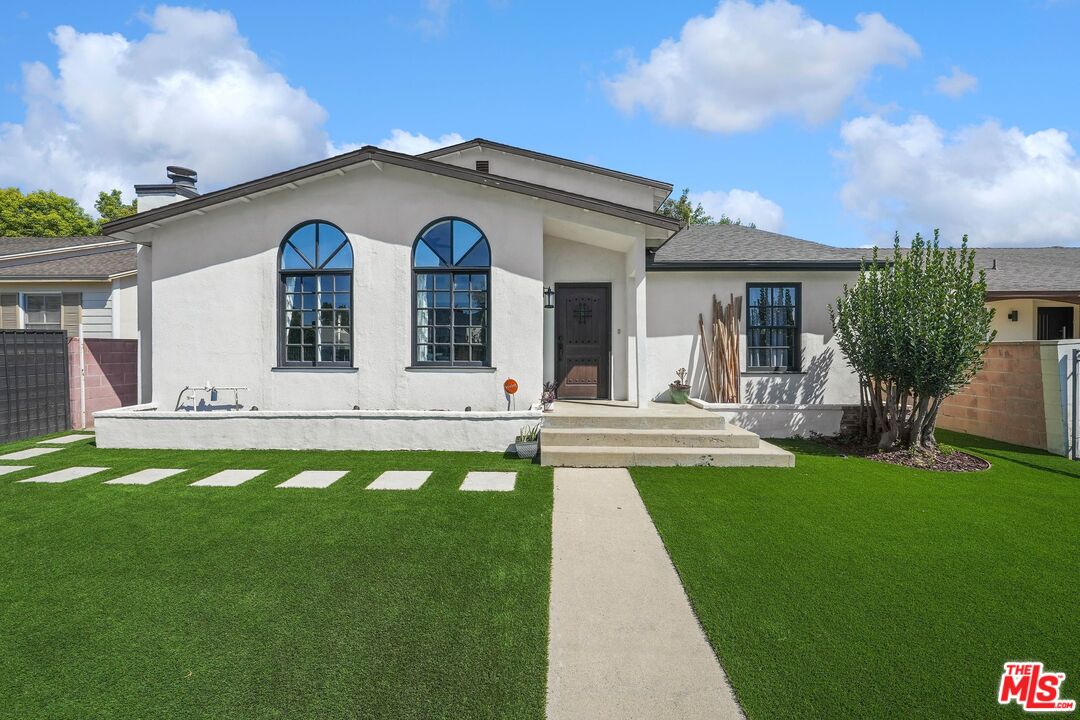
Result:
[181,187]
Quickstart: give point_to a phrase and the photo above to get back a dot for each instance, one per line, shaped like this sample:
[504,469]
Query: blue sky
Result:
[887,150]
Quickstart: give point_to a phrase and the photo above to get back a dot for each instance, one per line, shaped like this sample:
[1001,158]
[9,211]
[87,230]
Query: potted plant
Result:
[679,389]
[547,397]
[528,440]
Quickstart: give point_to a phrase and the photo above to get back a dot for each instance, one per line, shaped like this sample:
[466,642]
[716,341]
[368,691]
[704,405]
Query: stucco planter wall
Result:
[147,428]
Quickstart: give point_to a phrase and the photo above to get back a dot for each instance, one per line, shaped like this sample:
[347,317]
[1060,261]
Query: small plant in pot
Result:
[547,397]
[528,441]
[679,388]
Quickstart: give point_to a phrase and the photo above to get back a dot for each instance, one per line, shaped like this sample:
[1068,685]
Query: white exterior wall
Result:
[215,290]
[125,308]
[1026,325]
[675,298]
[549,174]
[1059,379]
[566,261]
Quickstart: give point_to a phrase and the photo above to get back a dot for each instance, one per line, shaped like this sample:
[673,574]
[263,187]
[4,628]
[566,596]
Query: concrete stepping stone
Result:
[66,439]
[400,480]
[144,477]
[30,453]
[228,478]
[314,479]
[491,481]
[59,476]
[5,469]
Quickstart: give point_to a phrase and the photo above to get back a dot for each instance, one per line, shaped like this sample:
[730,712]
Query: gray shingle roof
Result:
[720,245]
[97,265]
[1050,269]
[19,245]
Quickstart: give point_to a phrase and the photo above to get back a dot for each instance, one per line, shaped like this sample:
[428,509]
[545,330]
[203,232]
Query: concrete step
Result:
[765,455]
[701,420]
[730,436]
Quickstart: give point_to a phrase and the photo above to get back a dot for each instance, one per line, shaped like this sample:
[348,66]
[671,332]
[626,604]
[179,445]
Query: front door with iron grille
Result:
[583,340]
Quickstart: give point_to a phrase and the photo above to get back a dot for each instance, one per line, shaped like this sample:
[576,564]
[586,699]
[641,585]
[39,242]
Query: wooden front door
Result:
[583,340]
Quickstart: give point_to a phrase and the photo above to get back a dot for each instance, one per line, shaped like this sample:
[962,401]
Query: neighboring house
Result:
[407,290]
[84,285]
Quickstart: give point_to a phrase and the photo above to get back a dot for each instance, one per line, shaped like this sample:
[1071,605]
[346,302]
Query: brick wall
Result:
[1005,400]
[111,378]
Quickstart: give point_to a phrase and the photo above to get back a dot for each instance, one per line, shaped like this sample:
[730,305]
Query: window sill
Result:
[763,373]
[312,369]
[451,368]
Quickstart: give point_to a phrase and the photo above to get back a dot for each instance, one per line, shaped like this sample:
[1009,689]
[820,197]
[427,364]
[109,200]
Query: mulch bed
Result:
[940,460]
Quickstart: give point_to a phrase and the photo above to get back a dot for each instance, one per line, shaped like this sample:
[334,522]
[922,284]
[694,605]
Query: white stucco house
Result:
[396,290]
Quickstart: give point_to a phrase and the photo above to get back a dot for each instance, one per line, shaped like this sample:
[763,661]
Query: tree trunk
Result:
[928,440]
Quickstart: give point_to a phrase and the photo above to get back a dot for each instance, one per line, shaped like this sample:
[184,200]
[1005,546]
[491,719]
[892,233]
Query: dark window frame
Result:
[451,271]
[796,346]
[283,274]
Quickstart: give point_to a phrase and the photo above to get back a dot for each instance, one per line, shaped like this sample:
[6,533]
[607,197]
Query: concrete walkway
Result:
[624,641]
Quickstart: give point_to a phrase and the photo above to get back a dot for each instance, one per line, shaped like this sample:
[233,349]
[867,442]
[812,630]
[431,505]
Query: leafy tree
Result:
[42,213]
[914,330]
[110,205]
[684,211]
[689,214]
[725,220]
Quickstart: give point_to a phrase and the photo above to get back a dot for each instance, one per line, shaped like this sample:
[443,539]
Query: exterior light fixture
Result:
[549,298]
[1014,315]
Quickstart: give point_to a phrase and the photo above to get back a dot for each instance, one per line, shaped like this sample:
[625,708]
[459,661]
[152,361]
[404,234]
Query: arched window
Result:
[451,281]
[315,266]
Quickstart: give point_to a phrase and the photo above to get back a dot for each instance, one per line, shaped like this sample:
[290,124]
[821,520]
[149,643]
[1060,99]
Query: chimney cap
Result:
[180,174]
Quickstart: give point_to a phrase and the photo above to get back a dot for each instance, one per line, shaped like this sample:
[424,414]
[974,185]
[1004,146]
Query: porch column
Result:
[637,376]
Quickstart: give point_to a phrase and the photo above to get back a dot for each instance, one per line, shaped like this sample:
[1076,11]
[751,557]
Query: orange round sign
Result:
[510,386]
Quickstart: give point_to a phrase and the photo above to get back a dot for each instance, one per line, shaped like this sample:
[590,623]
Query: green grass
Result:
[846,588]
[253,602]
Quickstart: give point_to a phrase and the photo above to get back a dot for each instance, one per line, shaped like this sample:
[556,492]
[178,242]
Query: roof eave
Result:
[369,153]
[755,265]
[555,159]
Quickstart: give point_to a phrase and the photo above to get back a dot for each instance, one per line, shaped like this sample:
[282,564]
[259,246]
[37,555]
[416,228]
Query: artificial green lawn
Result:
[847,588]
[255,602]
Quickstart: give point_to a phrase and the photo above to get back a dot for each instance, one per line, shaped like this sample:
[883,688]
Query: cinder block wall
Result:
[1005,400]
[110,380]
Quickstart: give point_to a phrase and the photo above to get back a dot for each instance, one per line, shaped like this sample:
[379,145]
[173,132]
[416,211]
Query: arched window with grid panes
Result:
[451,295]
[315,272]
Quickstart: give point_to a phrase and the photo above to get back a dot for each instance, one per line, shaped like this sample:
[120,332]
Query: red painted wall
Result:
[111,376]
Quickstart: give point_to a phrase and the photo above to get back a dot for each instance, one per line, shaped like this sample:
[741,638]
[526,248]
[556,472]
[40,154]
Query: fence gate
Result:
[33,383]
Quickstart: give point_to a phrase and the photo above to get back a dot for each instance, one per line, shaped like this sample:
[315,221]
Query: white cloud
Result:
[998,185]
[746,205]
[190,92]
[413,144]
[956,83]
[747,64]
[435,18]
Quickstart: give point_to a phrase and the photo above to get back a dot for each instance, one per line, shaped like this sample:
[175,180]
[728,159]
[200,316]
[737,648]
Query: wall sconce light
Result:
[1014,315]
[549,298]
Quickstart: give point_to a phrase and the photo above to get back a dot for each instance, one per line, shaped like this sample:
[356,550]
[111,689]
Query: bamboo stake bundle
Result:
[721,351]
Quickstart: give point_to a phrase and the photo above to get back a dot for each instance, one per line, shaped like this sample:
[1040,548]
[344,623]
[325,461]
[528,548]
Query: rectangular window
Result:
[42,312]
[452,318]
[318,310]
[772,327]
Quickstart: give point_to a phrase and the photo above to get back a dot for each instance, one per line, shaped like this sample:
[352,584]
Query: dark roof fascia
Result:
[1031,294]
[757,265]
[370,153]
[64,278]
[482,143]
